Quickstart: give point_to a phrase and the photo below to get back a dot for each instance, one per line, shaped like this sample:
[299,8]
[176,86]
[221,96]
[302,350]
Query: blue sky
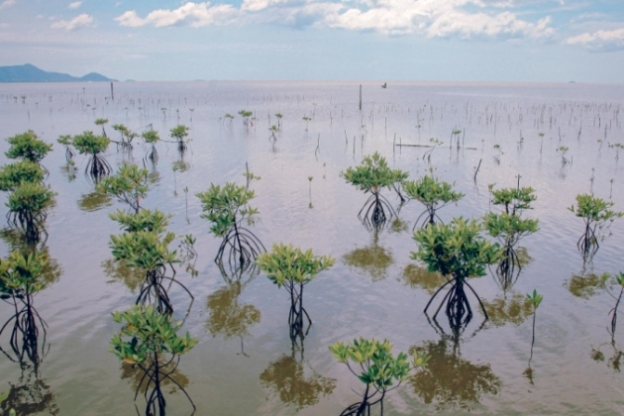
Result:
[430,40]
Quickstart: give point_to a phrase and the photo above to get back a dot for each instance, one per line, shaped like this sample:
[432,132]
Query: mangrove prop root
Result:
[508,268]
[24,338]
[458,308]
[98,167]
[240,247]
[154,292]
[297,312]
[376,211]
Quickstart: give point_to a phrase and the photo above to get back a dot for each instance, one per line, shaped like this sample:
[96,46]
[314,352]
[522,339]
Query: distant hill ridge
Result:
[30,73]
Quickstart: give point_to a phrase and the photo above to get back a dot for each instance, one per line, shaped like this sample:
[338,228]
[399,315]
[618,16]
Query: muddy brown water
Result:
[244,362]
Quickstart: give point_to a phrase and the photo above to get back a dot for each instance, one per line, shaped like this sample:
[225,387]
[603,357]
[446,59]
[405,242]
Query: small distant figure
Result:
[384,85]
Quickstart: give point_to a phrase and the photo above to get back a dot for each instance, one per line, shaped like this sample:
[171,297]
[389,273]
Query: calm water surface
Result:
[244,362]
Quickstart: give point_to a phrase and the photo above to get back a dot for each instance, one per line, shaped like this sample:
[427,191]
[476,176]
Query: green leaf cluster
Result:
[27,146]
[288,265]
[13,174]
[144,220]
[594,209]
[508,226]
[151,136]
[373,173]
[456,249]
[431,192]
[148,250]
[130,184]
[65,140]
[514,199]
[535,298]
[179,132]
[89,143]
[245,113]
[22,274]
[31,197]
[222,205]
[146,332]
[378,365]
[101,121]
[121,129]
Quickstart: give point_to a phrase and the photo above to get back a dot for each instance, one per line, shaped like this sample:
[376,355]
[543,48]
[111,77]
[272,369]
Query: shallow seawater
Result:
[244,362]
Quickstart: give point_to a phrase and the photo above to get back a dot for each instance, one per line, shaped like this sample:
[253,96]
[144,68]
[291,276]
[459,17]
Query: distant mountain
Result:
[30,73]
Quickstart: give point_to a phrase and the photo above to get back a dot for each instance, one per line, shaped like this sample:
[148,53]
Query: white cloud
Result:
[7,3]
[436,18]
[75,4]
[431,18]
[480,24]
[602,40]
[76,23]
[191,14]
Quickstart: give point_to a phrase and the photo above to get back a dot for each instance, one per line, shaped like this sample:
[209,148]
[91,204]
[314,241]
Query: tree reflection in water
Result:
[514,309]
[118,271]
[140,383]
[586,285]
[614,361]
[374,259]
[227,316]
[294,381]
[31,395]
[449,380]
[94,201]
[510,266]
[417,276]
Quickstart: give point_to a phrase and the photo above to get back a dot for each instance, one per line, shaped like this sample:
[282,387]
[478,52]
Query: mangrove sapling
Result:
[279,120]
[179,133]
[13,174]
[246,114]
[102,122]
[27,208]
[66,141]
[151,137]
[433,194]
[290,267]
[372,175]
[148,339]
[149,251]
[400,177]
[595,212]
[130,185]
[620,281]
[226,208]
[21,277]
[126,136]
[535,299]
[273,129]
[379,370]
[188,254]
[458,251]
[509,228]
[249,176]
[434,143]
[563,150]
[90,144]
[144,220]
[27,146]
